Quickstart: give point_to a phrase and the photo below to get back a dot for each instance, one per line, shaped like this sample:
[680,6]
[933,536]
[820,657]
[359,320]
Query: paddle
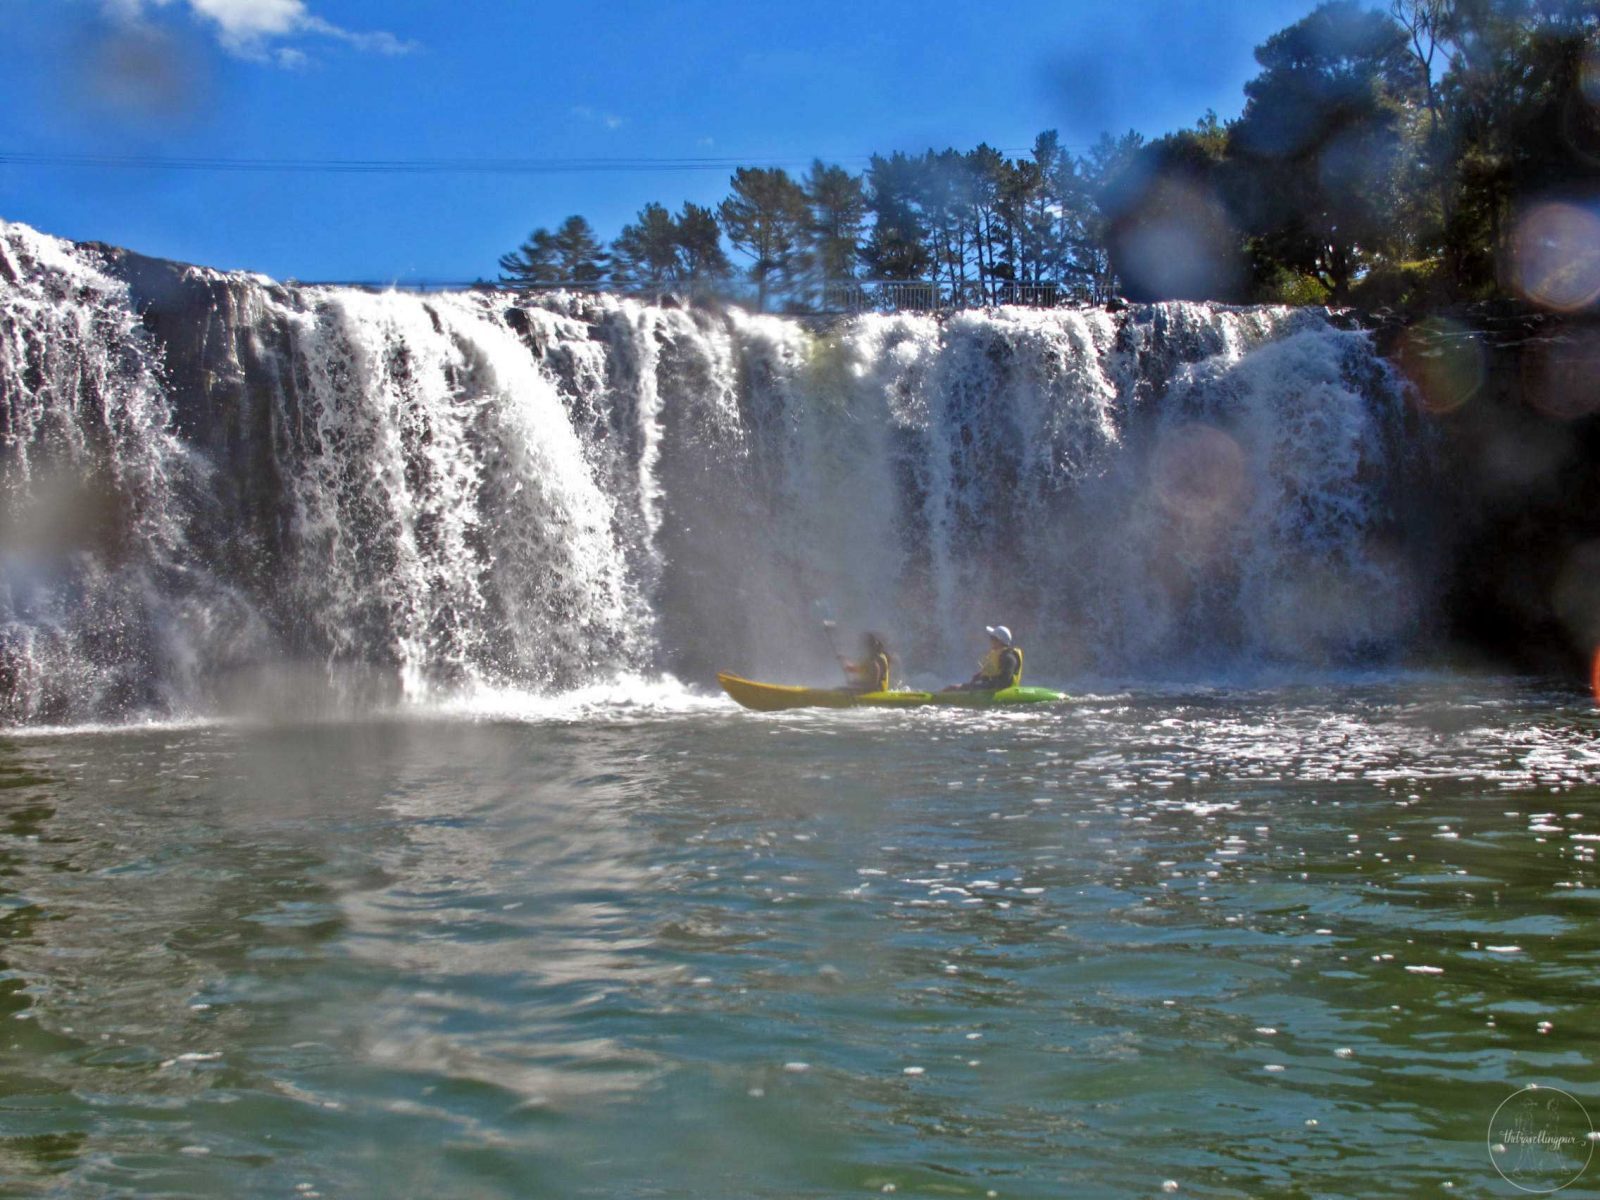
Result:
[829,625]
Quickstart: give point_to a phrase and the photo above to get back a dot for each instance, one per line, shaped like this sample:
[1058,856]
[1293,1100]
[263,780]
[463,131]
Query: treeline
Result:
[1382,157]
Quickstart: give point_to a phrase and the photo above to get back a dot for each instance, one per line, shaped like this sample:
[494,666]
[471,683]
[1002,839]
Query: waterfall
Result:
[215,484]
[104,607]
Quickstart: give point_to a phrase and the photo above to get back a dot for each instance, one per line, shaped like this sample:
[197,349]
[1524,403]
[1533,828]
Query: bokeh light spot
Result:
[1198,473]
[1177,243]
[1444,362]
[1555,256]
[1589,73]
[1561,378]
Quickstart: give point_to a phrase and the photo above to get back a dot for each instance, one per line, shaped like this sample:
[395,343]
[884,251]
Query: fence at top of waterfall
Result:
[837,297]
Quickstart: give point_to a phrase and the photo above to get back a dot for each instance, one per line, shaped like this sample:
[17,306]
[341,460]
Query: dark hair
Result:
[876,644]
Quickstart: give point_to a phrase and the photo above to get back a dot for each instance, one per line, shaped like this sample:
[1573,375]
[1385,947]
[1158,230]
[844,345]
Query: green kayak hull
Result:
[777,697]
[1000,699]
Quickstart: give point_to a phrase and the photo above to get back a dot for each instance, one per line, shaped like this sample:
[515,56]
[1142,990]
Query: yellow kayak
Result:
[775,697]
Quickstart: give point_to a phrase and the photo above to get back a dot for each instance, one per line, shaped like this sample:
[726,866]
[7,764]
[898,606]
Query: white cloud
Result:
[253,28]
[243,21]
[585,113]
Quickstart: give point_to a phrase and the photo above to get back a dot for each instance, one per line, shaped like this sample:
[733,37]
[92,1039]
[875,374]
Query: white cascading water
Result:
[428,495]
[104,609]
[445,519]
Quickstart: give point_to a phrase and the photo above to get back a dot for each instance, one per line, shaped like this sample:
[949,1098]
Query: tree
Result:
[897,246]
[1045,204]
[945,193]
[646,251]
[1085,186]
[763,219]
[1168,230]
[571,256]
[1316,150]
[699,241]
[836,212]
[1517,122]
[986,168]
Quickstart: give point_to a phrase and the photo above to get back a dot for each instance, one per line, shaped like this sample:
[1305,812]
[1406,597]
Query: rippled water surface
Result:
[1295,942]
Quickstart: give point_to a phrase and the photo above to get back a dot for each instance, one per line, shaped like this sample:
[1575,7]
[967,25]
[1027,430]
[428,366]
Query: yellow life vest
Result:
[871,675]
[990,668]
[880,672]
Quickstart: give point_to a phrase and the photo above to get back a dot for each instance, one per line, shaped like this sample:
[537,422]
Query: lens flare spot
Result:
[1177,242]
[1562,378]
[1444,362]
[1199,473]
[1555,256]
[1589,74]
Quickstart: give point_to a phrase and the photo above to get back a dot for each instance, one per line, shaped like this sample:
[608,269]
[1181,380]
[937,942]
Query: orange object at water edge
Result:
[1594,676]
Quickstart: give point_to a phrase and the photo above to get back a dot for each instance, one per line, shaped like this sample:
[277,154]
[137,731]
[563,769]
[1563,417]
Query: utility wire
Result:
[422,166]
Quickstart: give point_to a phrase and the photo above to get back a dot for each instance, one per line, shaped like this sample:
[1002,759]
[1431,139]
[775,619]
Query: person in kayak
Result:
[1001,667]
[871,674]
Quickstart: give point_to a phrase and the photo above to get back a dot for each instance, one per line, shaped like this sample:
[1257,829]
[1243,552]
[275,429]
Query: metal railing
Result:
[893,295]
[840,297]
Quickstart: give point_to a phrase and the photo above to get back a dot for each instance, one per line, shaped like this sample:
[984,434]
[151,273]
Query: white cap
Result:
[999,631]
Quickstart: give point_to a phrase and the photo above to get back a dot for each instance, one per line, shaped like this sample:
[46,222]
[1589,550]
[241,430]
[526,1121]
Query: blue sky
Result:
[477,80]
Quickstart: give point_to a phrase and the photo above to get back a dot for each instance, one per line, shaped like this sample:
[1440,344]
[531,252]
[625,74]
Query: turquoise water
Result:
[1296,942]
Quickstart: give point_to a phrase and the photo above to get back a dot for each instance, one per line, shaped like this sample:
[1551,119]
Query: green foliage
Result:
[699,239]
[1288,288]
[1402,285]
[571,256]
[765,218]
[646,251]
[659,250]
[1316,150]
[836,212]
[897,247]
[1381,158]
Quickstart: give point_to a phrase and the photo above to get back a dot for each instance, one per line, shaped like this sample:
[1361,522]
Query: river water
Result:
[1288,940]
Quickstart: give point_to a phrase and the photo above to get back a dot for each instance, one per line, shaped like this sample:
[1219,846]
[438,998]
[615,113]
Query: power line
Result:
[510,166]
[419,166]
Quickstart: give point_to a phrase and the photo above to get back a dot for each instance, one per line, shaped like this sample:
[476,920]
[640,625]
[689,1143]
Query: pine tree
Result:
[579,254]
[764,218]
[1315,152]
[836,206]
[699,241]
[645,253]
[897,248]
[531,264]
[570,257]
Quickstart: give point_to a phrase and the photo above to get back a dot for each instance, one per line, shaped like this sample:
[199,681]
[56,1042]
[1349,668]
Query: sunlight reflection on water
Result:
[1250,941]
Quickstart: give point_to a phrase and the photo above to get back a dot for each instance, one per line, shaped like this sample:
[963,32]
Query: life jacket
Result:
[993,667]
[880,672]
[871,675]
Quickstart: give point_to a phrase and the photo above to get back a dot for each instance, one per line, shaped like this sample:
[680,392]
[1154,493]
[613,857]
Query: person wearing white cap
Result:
[1001,667]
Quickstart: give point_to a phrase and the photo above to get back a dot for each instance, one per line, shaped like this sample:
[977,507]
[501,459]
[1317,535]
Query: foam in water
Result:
[422,499]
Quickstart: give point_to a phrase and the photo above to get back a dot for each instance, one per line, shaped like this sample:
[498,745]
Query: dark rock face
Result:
[224,370]
[1514,395]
